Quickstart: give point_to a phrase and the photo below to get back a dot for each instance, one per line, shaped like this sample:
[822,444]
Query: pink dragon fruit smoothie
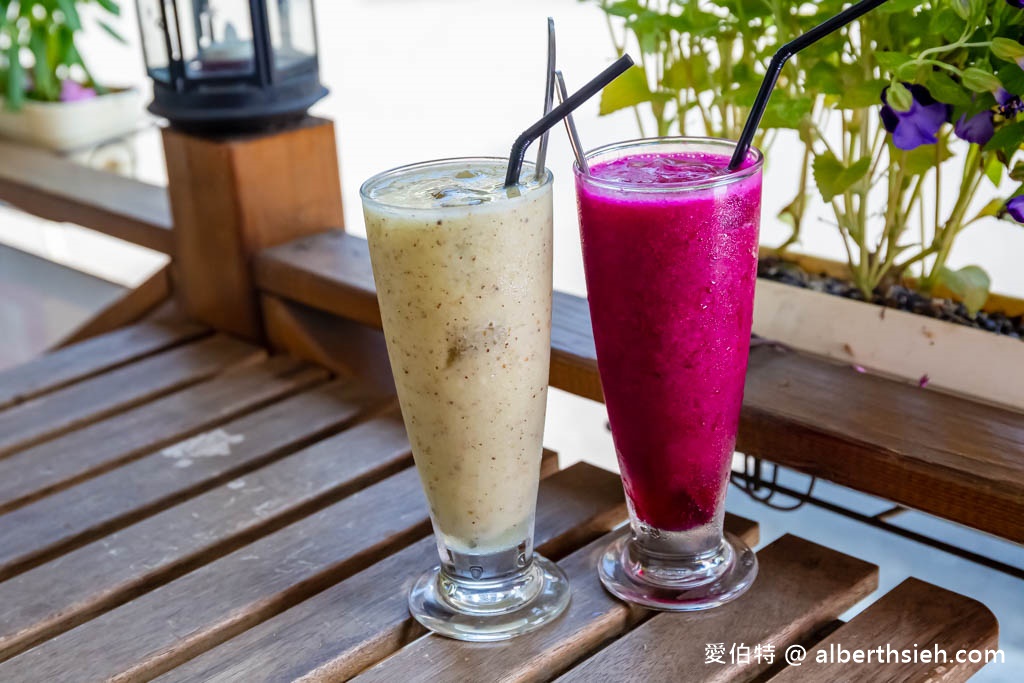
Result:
[670,253]
[670,250]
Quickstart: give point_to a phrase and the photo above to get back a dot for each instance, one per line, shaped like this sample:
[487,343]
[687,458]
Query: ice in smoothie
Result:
[463,274]
[670,250]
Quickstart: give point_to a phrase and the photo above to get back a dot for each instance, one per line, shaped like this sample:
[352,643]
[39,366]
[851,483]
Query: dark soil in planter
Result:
[895,296]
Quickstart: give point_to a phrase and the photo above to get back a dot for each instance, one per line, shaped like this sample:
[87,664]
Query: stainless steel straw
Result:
[549,97]
[570,127]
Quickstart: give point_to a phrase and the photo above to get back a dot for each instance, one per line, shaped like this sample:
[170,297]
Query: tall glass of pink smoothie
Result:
[670,250]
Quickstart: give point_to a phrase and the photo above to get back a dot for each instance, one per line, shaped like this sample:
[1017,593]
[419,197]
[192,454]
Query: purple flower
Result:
[918,125]
[1015,207]
[73,91]
[1009,104]
[978,129]
[1016,3]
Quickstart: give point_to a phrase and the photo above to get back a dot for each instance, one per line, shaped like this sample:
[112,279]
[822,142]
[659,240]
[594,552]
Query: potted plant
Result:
[48,97]
[882,112]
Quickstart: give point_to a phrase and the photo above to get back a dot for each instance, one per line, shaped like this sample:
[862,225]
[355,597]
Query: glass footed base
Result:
[487,611]
[679,583]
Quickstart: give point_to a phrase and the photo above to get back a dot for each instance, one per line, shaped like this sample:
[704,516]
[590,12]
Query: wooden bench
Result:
[180,506]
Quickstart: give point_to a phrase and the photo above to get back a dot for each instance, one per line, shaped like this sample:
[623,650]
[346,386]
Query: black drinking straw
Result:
[515,159]
[779,60]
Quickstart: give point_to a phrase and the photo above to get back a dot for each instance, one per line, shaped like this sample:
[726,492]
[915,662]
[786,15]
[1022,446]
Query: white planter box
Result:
[64,126]
[956,359]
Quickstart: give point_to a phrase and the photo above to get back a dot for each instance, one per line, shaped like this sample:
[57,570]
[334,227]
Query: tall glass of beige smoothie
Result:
[463,274]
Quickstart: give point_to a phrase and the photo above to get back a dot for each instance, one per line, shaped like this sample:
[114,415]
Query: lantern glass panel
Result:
[154,38]
[216,37]
[292,33]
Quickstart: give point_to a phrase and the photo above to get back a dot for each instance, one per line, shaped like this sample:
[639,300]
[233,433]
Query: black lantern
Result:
[221,65]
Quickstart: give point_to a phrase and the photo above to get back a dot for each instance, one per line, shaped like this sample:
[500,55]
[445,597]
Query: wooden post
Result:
[235,195]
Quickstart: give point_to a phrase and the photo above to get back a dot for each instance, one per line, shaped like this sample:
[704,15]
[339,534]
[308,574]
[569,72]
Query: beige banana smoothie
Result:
[463,274]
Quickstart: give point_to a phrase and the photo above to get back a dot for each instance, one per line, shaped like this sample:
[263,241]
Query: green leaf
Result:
[650,30]
[628,90]
[1017,172]
[945,24]
[979,80]
[677,76]
[922,158]
[825,78]
[993,208]
[898,6]
[67,7]
[626,8]
[42,72]
[899,97]
[688,72]
[970,284]
[701,72]
[891,61]
[860,95]
[67,54]
[784,112]
[1008,139]
[945,89]
[1007,49]
[1012,78]
[994,169]
[15,79]
[833,178]
[110,6]
[112,31]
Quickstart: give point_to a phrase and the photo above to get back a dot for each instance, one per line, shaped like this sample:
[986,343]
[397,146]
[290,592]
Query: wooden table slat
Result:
[914,615]
[593,617]
[89,358]
[119,566]
[181,619]
[801,587]
[118,390]
[40,530]
[41,470]
[336,634]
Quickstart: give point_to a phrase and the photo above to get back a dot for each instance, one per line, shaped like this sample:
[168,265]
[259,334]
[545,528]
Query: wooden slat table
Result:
[181,506]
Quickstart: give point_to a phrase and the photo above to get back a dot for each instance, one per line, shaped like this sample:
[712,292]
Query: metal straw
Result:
[549,98]
[570,127]
[775,69]
[526,138]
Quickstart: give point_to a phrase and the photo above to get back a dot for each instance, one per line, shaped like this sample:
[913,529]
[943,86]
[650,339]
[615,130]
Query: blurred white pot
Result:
[65,126]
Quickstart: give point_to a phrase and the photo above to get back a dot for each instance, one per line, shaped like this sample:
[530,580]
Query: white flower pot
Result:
[937,354]
[64,126]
